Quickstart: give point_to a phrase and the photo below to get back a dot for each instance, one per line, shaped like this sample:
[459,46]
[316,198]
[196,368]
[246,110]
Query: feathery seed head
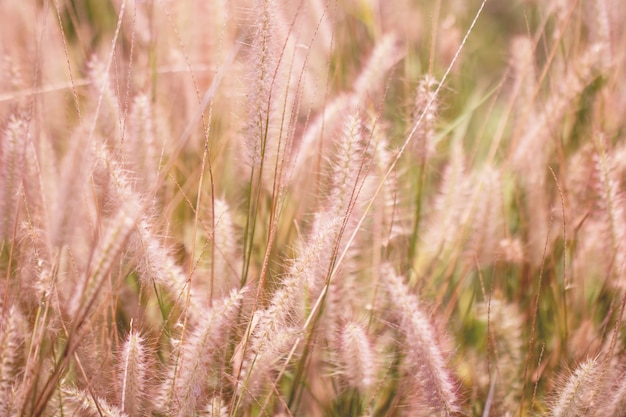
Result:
[429,385]
[385,55]
[426,109]
[357,358]
[81,403]
[133,375]
[11,355]
[12,154]
[199,356]
[576,397]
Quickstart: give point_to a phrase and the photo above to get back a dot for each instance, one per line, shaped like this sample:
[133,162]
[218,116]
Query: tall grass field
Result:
[368,208]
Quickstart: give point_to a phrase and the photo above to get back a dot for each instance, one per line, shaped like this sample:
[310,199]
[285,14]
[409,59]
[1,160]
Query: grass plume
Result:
[320,208]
